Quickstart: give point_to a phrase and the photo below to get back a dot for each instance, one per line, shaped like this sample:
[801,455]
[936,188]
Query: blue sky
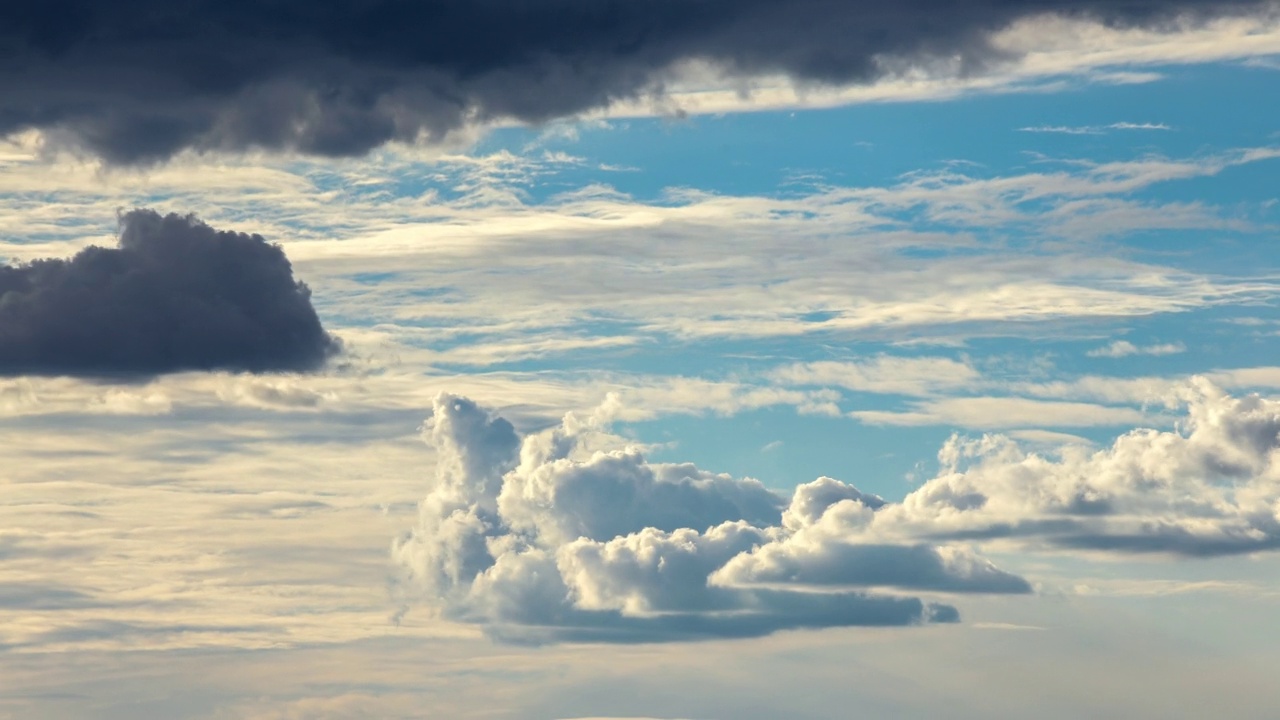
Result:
[1033,311]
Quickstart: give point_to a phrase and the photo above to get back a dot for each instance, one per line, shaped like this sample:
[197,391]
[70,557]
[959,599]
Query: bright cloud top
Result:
[1211,487]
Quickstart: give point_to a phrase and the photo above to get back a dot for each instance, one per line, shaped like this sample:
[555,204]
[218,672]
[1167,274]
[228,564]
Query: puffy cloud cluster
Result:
[175,295]
[554,537]
[1209,487]
[826,544]
[139,80]
[559,536]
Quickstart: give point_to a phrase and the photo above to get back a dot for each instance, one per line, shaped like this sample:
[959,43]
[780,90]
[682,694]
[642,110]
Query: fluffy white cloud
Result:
[1210,486]
[567,534]
[826,545]
[560,536]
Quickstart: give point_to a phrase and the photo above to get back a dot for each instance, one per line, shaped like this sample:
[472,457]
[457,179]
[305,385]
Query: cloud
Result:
[373,247]
[1264,63]
[175,295]
[1001,412]
[1093,129]
[1138,126]
[824,519]
[558,536]
[1124,348]
[145,79]
[920,376]
[562,535]
[1207,488]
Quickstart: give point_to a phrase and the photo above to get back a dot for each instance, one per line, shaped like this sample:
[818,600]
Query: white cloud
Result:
[1063,129]
[1093,129]
[1002,412]
[1048,438]
[1124,348]
[542,538]
[1264,63]
[1209,487]
[918,376]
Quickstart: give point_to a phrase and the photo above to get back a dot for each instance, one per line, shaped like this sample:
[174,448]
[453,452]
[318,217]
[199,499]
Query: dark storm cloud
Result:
[137,80]
[176,295]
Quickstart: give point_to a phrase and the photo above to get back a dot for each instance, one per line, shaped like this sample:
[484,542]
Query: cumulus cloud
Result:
[557,536]
[1209,487]
[825,545]
[175,295]
[142,79]
[564,535]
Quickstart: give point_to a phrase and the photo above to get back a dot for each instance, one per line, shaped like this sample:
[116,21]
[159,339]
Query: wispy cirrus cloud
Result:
[516,538]
[1124,348]
[1093,129]
[381,237]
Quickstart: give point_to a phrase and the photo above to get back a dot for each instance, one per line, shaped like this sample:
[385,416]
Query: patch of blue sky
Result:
[782,448]
[1168,345]
[1212,252]
[376,278]
[874,144]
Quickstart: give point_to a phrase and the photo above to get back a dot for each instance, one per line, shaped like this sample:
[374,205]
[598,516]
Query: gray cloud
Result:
[175,295]
[138,80]
[14,596]
[557,537]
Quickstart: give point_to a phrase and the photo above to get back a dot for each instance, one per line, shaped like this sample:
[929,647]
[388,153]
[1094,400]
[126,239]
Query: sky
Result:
[614,360]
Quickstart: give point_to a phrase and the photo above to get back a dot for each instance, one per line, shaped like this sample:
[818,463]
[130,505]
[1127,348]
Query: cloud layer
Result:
[175,295]
[144,79]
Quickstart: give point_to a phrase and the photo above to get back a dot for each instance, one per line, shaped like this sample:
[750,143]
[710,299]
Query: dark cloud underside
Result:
[138,80]
[176,295]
